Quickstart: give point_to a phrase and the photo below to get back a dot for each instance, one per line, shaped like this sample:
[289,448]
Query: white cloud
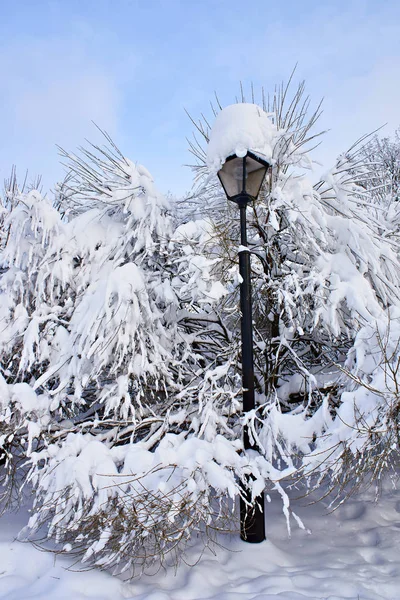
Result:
[52,91]
[355,106]
[348,54]
[141,66]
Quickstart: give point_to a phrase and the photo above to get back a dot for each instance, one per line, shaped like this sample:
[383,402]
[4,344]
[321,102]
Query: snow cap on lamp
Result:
[240,128]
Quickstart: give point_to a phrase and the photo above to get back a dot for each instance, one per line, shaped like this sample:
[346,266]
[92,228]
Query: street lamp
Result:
[242,178]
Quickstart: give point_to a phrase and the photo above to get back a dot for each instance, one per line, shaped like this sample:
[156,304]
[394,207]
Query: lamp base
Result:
[252,520]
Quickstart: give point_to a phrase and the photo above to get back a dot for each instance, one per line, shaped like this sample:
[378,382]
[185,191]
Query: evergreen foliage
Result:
[120,387]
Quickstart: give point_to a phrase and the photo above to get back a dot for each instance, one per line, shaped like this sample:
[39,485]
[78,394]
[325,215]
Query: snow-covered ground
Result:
[352,553]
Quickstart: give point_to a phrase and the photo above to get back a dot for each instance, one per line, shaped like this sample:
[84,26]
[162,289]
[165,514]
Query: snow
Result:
[351,553]
[237,129]
[121,388]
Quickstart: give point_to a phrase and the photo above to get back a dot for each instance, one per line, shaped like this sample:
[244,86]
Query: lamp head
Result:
[243,177]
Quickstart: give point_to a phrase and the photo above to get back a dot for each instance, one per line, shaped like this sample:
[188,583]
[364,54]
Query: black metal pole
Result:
[252,524]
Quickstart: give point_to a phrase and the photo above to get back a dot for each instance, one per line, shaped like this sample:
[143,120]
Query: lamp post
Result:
[242,178]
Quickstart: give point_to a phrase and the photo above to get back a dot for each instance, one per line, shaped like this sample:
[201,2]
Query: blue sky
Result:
[134,66]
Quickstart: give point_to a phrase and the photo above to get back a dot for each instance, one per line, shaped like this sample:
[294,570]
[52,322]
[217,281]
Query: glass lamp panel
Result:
[255,176]
[231,176]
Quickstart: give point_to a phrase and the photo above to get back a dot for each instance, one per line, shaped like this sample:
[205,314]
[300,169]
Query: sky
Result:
[135,66]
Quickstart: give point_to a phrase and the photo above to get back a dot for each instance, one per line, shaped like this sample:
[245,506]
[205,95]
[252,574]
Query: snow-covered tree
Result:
[325,277]
[381,161]
[382,156]
[120,387]
[115,366]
